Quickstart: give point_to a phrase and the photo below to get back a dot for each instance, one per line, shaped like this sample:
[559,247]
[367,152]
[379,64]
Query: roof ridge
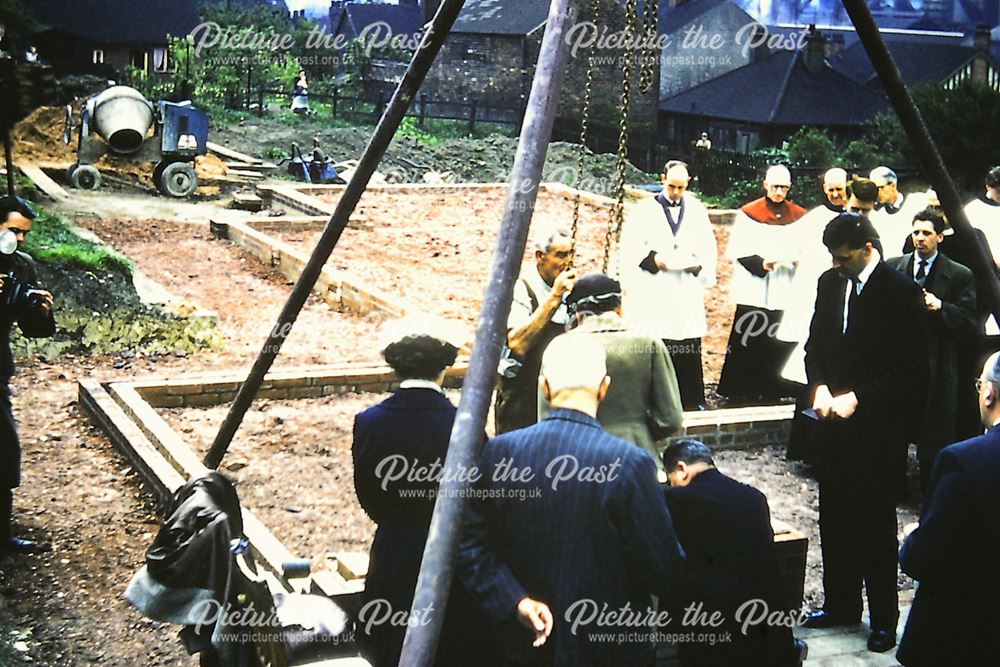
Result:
[783,89]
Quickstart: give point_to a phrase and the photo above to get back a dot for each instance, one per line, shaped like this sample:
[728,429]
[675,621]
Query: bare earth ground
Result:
[79,494]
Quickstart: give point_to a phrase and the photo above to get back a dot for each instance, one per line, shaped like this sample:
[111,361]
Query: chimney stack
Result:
[980,65]
[814,57]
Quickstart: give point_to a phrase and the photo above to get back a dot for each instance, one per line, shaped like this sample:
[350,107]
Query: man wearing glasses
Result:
[31,308]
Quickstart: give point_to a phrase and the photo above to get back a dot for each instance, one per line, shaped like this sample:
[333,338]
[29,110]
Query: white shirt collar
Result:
[421,384]
[866,272]
[930,261]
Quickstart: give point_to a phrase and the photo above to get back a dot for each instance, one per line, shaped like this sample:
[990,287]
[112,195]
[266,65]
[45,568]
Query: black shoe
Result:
[881,641]
[17,545]
[818,620]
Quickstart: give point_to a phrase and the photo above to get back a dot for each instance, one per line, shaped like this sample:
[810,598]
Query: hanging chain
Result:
[584,127]
[649,51]
[618,208]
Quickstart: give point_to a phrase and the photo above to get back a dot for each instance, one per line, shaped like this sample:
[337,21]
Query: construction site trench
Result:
[291,458]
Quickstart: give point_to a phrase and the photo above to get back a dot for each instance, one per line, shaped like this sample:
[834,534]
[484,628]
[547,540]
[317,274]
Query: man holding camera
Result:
[31,308]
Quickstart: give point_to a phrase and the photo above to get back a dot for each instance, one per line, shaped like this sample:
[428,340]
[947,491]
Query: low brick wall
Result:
[734,428]
[338,288]
[219,388]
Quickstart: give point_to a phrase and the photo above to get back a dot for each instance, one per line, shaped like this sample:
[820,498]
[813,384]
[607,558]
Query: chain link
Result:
[584,131]
[618,208]
[649,51]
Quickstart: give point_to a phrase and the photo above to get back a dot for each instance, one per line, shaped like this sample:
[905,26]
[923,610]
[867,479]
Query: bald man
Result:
[668,252]
[565,518]
[764,248]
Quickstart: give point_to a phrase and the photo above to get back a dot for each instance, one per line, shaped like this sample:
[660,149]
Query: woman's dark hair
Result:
[419,357]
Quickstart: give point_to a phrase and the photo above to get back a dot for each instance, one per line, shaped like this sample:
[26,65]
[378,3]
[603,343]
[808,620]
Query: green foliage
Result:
[740,193]
[139,329]
[409,128]
[52,241]
[274,153]
[772,155]
[219,75]
[963,122]
[811,147]
[863,156]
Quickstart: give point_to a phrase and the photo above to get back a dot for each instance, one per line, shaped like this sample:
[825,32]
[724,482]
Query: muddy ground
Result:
[484,160]
[80,495]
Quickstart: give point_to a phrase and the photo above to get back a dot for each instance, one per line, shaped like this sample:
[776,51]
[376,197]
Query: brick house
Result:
[490,57]
[103,35]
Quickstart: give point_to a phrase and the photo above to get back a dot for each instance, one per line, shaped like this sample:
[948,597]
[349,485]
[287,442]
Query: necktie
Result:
[921,272]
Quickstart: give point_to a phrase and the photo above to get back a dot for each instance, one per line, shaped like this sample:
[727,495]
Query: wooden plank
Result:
[231,154]
[352,565]
[155,470]
[44,183]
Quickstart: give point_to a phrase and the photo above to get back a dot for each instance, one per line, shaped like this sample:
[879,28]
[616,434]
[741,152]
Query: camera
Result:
[15,292]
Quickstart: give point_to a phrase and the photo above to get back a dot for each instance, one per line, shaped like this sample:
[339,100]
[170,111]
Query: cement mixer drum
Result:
[122,116]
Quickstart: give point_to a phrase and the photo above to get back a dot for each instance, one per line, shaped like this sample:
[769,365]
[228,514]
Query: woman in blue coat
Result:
[399,449]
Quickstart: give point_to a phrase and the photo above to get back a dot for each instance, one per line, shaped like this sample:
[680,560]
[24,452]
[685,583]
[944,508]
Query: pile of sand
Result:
[39,138]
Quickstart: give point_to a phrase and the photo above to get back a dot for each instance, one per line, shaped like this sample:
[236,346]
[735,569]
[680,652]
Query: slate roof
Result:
[118,21]
[507,17]
[672,19]
[779,90]
[919,59]
[501,17]
[401,19]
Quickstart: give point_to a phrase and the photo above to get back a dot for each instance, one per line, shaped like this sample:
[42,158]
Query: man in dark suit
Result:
[953,552]
[949,291]
[33,314]
[567,531]
[866,368]
[725,529]
[397,446]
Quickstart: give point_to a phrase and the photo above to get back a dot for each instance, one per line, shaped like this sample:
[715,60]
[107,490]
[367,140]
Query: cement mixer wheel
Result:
[85,177]
[178,179]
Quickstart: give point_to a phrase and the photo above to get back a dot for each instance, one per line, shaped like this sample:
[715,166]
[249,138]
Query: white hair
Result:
[573,361]
[883,176]
[835,175]
[778,175]
[546,236]
[990,370]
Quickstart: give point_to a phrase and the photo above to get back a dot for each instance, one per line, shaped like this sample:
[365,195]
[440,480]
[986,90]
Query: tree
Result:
[963,122]
[263,49]
[811,147]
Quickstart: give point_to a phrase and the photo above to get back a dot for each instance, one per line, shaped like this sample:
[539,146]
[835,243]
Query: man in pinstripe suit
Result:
[567,534]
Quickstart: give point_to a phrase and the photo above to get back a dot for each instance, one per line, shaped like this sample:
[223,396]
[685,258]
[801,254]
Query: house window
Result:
[139,60]
[98,56]
[160,59]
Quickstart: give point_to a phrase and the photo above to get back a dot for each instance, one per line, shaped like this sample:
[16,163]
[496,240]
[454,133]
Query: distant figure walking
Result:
[300,94]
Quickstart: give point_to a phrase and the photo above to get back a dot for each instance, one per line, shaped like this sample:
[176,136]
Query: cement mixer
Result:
[122,122]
